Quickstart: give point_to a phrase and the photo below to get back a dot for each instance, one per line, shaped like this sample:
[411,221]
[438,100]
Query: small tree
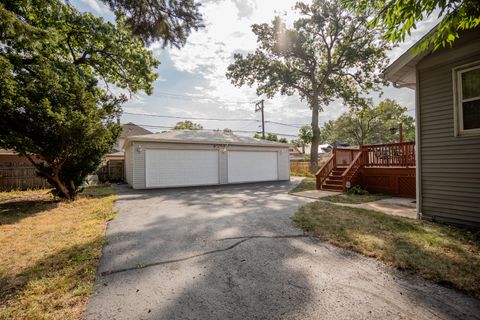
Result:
[283,140]
[330,53]
[187,125]
[305,136]
[53,111]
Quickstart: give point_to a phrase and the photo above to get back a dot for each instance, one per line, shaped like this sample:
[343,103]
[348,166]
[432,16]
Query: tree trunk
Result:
[54,180]
[316,136]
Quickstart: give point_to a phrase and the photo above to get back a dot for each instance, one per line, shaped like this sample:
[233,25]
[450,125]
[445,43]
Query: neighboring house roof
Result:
[203,137]
[131,129]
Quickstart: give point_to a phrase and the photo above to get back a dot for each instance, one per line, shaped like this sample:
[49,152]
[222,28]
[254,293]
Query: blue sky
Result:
[192,82]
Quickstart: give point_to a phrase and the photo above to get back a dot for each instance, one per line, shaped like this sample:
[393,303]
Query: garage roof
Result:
[204,137]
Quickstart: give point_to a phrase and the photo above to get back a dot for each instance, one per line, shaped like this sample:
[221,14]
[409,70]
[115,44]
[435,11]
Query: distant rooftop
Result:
[204,136]
[131,129]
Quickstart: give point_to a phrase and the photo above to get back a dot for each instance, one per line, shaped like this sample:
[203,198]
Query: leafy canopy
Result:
[53,110]
[399,17]
[330,53]
[270,137]
[305,135]
[168,21]
[187,125]
[368,124]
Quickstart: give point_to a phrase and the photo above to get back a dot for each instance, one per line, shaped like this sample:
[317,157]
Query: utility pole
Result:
[259,107]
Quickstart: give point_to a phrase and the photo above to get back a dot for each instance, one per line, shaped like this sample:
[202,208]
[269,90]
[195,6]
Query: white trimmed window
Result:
[467,99]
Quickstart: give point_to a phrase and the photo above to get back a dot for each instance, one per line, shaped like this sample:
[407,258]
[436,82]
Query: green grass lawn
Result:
[447,255]
[49,252]
[305,185]
[355,198]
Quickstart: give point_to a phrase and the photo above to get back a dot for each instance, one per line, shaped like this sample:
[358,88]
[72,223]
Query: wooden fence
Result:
[301,167]
[18,175]
[113,171]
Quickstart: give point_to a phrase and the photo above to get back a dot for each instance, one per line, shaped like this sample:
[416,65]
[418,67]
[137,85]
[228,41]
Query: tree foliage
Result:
[305,134]
[270,137]
[168,21]
[366,124]
[187,125]
[53,110]
[399,17]
[330,53]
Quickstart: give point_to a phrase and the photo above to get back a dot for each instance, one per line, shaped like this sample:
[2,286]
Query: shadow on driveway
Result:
[232,252]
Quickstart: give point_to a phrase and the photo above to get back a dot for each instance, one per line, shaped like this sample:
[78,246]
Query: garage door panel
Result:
[175,168]
[250,166]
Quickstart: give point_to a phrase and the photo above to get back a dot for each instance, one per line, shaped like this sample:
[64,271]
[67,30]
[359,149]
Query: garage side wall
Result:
[129,164]
[138,148]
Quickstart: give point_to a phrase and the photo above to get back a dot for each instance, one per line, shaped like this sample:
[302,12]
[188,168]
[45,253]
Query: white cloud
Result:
[96,6]
[205,59]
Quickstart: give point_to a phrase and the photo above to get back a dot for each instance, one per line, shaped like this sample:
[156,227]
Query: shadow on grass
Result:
[58,281]
[14,211]
[447,255]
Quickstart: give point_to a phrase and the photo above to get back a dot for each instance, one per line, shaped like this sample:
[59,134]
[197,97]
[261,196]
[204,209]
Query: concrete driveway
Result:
[232,252]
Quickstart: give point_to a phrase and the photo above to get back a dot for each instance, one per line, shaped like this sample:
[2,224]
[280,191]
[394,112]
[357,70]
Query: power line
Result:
[192,118]
[241,131]
[211,119]
[179,96]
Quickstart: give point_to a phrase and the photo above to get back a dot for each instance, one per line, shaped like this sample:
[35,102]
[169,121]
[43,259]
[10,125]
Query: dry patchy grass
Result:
[49,252]
[355,198]
[444,254]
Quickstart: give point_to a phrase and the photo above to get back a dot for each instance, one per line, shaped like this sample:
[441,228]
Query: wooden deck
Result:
[386,168]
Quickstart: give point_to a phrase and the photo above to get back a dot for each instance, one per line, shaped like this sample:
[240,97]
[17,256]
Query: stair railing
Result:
[323,173]
[350,174]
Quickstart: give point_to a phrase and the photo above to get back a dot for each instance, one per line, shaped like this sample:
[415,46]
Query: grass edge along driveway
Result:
[309,183]
[447,255]
[49,252]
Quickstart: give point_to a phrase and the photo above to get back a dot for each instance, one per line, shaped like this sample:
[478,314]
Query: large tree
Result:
[329,53]
[53,110]
[367,124]
[399,17]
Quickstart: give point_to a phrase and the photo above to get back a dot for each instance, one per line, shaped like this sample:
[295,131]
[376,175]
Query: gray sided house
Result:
[447,88]
[182,158]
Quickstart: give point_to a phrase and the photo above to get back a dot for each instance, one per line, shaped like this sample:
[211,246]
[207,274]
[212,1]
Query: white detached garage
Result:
[182,158]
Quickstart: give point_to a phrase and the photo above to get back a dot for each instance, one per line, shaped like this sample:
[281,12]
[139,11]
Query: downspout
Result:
[418,148]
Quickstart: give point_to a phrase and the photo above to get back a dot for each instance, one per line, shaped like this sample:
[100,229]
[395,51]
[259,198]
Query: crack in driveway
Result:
[243,239]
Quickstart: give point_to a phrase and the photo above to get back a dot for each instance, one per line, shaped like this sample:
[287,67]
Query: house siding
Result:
[450,165]
[138,163]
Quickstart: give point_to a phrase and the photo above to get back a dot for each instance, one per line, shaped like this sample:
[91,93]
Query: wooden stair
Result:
[334,180]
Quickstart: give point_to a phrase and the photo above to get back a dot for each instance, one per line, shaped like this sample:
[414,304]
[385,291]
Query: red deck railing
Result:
[323,173]
[377,155]
[389,155]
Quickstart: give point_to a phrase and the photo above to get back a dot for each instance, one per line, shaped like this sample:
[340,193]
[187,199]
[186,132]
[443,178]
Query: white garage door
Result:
[178,168]
[250,166]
